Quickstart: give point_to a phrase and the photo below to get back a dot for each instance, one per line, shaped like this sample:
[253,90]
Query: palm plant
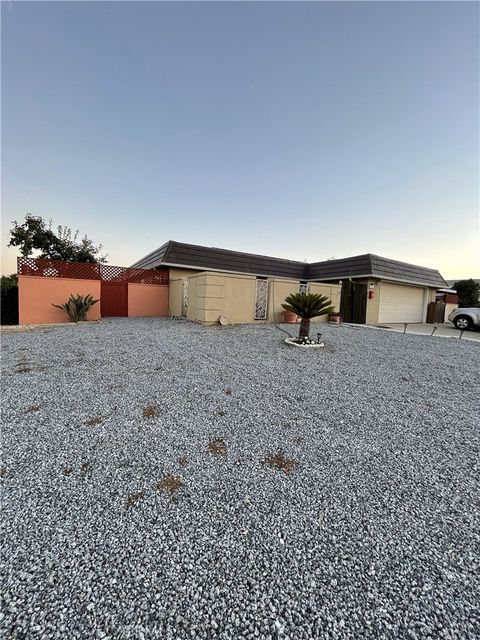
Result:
[77,306]
[307,306]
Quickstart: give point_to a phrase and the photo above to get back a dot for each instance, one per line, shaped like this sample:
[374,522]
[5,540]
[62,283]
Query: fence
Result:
[41,267]
[121,291]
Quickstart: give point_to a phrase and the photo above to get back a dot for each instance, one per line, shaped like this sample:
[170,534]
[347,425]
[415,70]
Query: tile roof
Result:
[211,258]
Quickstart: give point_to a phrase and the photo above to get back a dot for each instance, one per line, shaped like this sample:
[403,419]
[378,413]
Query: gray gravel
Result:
[373,533]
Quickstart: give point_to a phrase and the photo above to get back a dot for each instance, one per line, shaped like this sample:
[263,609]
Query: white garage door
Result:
[400,303]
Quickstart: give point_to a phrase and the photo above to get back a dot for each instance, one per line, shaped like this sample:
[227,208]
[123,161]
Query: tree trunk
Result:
[304,328]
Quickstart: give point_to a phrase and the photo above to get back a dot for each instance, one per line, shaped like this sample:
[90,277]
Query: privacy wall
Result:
[120,291]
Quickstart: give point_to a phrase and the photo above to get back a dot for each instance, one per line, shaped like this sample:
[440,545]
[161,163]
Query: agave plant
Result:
[77,306]
[307,306]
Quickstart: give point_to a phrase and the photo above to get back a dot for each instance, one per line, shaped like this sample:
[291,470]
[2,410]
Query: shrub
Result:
[9,300]
[307,306]
[77,306]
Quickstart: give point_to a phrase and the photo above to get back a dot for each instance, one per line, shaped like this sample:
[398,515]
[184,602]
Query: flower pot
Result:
[289,317]
[334,318]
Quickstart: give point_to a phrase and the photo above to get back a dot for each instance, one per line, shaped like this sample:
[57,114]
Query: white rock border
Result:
[292,343]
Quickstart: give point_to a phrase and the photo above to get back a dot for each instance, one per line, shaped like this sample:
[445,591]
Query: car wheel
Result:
[463,322]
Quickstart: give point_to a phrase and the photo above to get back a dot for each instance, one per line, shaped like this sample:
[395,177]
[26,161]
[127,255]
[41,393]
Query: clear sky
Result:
[302,130]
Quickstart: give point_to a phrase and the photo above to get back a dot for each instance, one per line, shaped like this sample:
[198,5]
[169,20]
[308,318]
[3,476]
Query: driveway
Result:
[164,480]
[446,330]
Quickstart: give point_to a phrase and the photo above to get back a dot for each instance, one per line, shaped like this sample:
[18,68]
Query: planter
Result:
[292,343]
[289,317]
[334,318]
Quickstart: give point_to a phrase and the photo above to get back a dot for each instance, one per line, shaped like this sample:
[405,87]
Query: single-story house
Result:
[207,283]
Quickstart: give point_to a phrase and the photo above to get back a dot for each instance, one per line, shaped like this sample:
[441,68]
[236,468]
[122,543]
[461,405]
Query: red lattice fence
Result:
[89,271]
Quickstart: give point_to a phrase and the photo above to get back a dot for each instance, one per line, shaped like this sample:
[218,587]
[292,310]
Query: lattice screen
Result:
[89,271]
[261,297]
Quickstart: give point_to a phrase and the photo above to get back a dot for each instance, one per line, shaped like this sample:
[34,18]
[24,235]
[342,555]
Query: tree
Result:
[34,235]
[307,306]
[468,292]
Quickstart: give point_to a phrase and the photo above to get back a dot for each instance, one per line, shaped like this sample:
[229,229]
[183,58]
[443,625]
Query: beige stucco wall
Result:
[373,304]
[449,307]
[175,274]
[215,294]
[175,297]
[332,291]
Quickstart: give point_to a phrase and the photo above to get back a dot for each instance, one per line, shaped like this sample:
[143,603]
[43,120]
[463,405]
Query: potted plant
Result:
[334,317]
[289,317]
[307,306]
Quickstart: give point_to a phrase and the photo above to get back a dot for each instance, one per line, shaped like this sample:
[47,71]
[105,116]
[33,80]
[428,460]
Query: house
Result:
[207,283]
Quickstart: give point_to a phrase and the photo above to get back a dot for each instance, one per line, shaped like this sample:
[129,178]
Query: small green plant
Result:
[307,306]
[77,306]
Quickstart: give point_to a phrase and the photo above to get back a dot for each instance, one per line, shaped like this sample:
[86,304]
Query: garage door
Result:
[400,303]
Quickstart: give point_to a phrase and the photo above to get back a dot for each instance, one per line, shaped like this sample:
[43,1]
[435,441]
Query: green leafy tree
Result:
[35,235]
[307,306]
[468,292]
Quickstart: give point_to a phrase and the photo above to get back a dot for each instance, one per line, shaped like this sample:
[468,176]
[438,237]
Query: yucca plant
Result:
[77,306]
[307,306]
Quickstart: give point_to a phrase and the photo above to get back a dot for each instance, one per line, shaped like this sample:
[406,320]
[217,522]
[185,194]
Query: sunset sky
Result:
[301,130]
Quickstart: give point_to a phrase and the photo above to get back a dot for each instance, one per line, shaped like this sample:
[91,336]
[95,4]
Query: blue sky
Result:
[303,130]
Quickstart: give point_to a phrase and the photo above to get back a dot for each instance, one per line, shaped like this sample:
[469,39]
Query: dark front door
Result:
[114,299]
[353,302]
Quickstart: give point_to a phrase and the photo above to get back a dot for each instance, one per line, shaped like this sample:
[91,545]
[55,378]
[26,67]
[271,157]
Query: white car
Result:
[465,318]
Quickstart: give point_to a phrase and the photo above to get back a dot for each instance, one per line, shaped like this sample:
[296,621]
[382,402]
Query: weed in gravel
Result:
[183,461]
[220,412]
[91,422]
[217,447]
[299,440]
[150,412]
[133,498]
[31,408]
[67,471]
[4,473]
[170,484]
[228,391]
[280,462]
[23,367]
[84,467]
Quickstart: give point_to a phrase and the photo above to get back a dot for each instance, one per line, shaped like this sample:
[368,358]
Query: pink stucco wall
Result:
[147,300]
[36,295]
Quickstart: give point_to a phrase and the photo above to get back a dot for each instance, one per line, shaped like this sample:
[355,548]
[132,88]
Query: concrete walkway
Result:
[446,330]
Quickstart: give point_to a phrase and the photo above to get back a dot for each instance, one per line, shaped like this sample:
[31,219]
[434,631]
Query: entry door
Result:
[353,302]
[114,299]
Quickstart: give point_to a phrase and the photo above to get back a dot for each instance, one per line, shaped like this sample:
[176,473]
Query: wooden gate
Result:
[114,299]
[353,302]
[436,312]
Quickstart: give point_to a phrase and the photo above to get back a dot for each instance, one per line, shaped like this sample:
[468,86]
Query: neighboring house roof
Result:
[179,254]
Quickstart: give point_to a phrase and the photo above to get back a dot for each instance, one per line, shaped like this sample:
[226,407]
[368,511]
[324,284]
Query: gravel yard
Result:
[166,480]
